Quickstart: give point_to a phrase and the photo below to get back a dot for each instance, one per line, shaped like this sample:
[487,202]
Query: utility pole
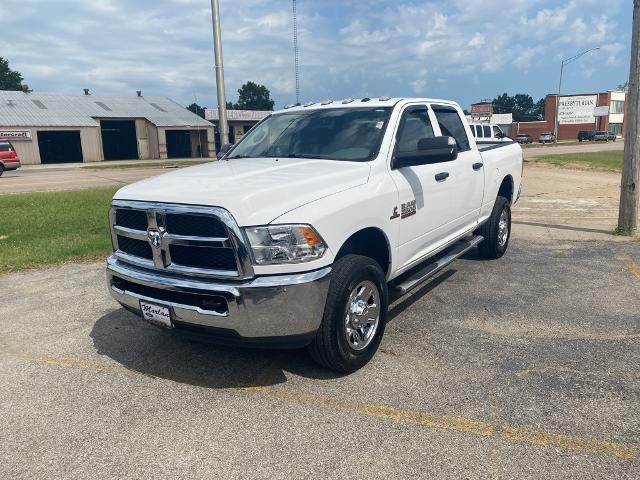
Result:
[630,184]
[223,127]
[295,51]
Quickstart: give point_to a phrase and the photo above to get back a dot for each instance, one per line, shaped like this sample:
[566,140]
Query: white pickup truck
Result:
[302,232]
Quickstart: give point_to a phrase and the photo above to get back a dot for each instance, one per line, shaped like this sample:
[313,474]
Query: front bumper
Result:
[281,310]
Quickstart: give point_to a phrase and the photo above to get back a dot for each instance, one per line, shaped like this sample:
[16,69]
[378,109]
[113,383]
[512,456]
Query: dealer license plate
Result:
[156,314]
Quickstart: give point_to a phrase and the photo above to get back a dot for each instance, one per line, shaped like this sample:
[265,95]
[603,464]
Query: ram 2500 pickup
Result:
[302,232]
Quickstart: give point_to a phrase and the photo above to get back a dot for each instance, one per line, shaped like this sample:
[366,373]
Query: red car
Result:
[8,157]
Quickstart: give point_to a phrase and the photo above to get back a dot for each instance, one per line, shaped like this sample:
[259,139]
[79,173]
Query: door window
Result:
[487,131]
[451,125]
[414,126]
[496,131]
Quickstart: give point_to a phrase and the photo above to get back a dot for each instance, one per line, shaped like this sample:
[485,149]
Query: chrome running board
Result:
[407,282]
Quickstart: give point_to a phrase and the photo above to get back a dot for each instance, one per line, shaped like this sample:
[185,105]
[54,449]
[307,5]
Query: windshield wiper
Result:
[303,155]
[241,156]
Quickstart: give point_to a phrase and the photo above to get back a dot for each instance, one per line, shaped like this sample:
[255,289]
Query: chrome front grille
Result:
[193,240]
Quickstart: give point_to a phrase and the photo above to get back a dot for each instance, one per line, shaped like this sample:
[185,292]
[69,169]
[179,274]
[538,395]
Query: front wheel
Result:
[496,231]
[354,315]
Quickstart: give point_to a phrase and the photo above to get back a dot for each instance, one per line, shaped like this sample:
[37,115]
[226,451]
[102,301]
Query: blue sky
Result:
[460,49]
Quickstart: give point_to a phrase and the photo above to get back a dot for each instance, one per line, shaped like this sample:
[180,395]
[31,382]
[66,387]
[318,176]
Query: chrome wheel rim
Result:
[363,315]
[503,229]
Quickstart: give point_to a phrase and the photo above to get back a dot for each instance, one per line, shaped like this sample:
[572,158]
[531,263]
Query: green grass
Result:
[609,160]
[53,227]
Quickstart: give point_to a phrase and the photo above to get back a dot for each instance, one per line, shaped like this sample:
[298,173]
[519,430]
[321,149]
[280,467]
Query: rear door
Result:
[468,184]
[6,150]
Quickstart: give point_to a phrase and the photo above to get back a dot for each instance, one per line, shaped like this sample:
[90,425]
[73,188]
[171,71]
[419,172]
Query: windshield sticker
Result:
[379,125]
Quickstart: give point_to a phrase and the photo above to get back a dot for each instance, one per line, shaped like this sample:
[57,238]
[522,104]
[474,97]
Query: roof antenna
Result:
[295,51]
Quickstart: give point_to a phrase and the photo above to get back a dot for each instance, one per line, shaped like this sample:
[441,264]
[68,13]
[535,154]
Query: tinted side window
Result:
[5,147]
[479,132]
[496,131]
[451,126]
[487,131]
[414,126]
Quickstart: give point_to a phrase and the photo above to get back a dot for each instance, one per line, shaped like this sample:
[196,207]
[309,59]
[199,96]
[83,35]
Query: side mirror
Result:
[501,135]
[224,149]
[430,150]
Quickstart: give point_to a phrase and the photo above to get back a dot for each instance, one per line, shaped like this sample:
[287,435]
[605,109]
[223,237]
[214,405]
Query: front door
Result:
[437,200]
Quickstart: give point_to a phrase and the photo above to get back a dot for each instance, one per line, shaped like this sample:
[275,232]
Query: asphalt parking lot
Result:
[525,367]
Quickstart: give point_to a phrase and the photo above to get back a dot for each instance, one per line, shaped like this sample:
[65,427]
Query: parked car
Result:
[8,157]
[602,136]
[302,231]
[586,135]
[524,138]
[487,132]
[547,137]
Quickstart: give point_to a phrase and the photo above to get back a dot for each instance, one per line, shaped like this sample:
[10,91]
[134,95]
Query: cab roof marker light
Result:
[326,102]
[289,105]
[384,99]
[347,100]
[308,104]
[365,99]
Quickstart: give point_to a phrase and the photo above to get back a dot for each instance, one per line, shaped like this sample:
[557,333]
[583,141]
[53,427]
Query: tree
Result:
[521,105]
[538,109]
[9,79]
[197,109]
[252,96]
[623,86]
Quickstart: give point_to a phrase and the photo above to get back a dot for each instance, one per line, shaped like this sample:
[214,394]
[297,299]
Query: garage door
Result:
[62,146]
[119,139]
[178,143]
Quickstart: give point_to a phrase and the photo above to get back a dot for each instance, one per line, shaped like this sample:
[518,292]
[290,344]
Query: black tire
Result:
[492,246]
[330,347]
[1,169]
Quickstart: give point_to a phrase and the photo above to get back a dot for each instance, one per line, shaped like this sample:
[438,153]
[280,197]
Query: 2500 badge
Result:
[406,210]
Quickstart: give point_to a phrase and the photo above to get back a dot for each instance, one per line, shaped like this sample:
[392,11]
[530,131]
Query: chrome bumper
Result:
[265,308]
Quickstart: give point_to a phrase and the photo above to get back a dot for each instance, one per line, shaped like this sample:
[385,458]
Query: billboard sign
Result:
[578,109]
[16,134]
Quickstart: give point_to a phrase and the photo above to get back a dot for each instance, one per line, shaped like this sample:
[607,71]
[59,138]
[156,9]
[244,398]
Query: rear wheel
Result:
[354,316]
[496,231]
[1,169]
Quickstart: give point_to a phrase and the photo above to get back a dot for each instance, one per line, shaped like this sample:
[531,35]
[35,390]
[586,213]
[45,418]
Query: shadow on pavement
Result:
[150,350]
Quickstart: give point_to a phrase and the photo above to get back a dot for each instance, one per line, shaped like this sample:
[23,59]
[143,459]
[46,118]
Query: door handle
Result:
[477,166]
[441,176]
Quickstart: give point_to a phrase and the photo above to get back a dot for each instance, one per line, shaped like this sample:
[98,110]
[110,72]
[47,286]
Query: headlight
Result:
[285,244]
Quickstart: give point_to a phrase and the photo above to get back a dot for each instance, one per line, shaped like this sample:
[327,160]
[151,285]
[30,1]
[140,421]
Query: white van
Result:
[487,132]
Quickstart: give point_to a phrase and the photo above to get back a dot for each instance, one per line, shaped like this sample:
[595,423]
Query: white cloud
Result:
[347,47]
[476,41]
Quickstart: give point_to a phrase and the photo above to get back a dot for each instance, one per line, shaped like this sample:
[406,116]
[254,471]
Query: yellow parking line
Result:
[631,265]
[428,419]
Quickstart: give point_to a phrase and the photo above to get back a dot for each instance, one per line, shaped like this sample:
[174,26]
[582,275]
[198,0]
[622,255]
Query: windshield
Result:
[352,134]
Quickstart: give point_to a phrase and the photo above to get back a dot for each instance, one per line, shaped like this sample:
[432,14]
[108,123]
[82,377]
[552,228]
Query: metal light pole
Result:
[564,62]
[223,127]
[630,184]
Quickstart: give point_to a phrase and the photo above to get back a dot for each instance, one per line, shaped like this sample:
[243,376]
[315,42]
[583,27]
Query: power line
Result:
[295,51]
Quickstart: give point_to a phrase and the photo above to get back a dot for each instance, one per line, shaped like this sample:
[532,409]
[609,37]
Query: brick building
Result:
[585,111]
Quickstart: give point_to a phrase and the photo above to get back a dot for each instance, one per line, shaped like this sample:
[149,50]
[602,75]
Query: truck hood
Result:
[254,190]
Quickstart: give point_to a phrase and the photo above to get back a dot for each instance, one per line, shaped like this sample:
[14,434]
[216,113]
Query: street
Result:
[521,367]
